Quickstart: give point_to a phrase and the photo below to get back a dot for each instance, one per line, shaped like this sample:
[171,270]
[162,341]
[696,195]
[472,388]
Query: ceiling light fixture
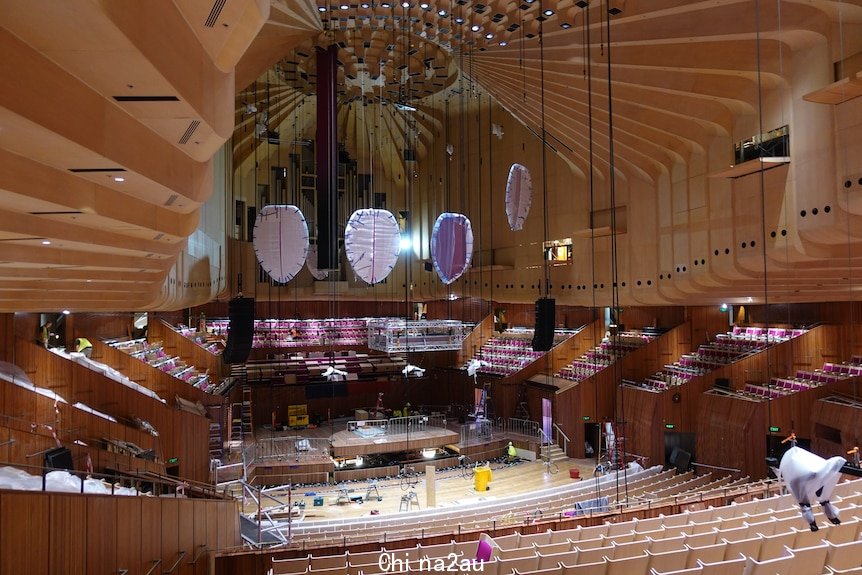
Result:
[321,8]
[504,43]
[46,242]
[474,27]
[66,312]
[441,12]
[405,4]
[345,6]
[425,6]
[119,179]
[549,12]
[489,35]
[565,25]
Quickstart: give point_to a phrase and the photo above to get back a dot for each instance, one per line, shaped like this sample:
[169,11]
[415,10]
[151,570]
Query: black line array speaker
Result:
[240,330]
[681,459]
[543,336]
[59,458]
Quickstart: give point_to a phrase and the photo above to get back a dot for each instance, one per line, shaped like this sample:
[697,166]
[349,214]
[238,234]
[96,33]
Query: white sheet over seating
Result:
[62,481]
[96,412]
[16,376]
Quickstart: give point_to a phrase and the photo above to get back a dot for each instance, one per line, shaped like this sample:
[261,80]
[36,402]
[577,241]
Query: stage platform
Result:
[350,444]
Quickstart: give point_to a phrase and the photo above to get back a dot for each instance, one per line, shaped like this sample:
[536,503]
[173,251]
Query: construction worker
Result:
[511,452]
[83,345]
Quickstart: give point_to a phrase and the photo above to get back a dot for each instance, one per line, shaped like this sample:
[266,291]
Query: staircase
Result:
[556,453]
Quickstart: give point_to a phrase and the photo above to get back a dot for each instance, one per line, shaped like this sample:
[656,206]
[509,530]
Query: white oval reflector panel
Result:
[311,264]
[372,242]
[281,241]
[519,196]
[451,246]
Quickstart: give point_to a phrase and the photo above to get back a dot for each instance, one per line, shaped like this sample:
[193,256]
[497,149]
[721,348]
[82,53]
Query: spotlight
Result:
[385,5]
[405,4]
[459,20]
[548,12]
[46,242]
[474,27]
[489,35]
[425,5]
[345,6]
[321,8]
[119,179]
[441,12]
[365,5]
[66,312]
[565,25]
[405,242]
[504,43]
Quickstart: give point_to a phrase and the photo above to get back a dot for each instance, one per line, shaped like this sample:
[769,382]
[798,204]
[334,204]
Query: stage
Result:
[349,444]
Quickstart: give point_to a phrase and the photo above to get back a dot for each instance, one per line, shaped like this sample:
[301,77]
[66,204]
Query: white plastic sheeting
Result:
[281,241]
[15,375]
[372,241]
[451,246]
[60,481]
[519,196]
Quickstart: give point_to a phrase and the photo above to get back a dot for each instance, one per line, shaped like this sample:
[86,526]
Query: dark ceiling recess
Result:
[93,170]
[146,99]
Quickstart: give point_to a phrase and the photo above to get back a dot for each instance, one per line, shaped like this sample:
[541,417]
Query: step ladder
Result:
[245,415]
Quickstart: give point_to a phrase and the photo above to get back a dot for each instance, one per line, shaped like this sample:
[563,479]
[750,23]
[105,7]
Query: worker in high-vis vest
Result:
[83,345]
[511,452]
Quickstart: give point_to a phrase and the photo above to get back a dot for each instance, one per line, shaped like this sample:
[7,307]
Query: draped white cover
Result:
[372,241]
[519,196]
[451,246]
[281,241]
[311,264]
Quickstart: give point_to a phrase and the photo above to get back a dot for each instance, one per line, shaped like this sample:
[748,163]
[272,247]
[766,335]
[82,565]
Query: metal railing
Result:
[298,449]
[523,427]
[477,432]
[560,434]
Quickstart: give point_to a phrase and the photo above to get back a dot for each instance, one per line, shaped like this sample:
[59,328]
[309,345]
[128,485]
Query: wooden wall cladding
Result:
[732,433]
[662,351]
[77,534]
[644,424]
[181,434]
[835,428]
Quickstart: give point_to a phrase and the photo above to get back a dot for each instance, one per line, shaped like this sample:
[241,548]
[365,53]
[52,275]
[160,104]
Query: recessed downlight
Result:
[119,179]
[46,242]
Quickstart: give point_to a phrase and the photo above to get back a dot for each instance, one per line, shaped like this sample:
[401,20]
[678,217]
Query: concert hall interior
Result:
[304,286]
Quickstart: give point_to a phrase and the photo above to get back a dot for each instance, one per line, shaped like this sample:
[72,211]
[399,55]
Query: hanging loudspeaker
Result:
[240,330]
[543,336]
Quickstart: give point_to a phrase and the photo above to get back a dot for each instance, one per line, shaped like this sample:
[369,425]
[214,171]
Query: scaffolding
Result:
[393,335]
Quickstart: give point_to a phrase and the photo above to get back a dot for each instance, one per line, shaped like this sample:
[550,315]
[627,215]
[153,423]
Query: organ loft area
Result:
[613,265]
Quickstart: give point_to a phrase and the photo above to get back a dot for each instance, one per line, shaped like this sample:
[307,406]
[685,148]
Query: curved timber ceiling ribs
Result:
[111,112]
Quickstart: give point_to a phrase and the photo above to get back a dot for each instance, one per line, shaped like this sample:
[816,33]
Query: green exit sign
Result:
[669,426]
[774,429]
[174,460]
[586,418]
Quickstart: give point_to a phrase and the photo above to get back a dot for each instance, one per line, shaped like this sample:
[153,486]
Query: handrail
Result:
[202,548]
[156,563]
[176,563]
[716,467]
[559,432]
